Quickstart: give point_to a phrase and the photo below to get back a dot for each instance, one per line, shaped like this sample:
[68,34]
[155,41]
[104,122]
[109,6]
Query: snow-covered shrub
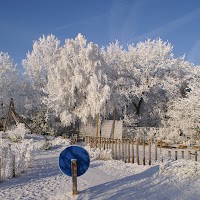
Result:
[15,157]
[18,133]
[99,154]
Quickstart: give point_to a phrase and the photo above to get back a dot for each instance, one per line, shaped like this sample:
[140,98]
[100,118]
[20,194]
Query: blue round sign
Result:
[74,152]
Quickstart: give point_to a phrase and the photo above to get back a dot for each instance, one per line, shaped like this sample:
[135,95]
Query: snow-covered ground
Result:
[105,179]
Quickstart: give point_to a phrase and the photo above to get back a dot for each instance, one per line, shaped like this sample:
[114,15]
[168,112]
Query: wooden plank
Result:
[129,151]
[0,167]
[176,155]
[115,149]
[119,151]
[143,152]
[195,155]
[189,155]
[182,154]
[156,152]
[149,152]
[132,151]
[137,153]
[169,154]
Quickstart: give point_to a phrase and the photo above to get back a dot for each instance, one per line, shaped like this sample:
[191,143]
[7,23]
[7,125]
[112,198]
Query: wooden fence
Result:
[141,151]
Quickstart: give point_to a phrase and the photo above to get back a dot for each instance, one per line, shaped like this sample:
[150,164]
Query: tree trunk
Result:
[138,106]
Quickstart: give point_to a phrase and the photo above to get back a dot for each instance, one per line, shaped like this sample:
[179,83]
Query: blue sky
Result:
[101,22]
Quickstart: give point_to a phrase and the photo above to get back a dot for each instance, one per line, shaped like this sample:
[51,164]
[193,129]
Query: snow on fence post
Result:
[137,153]
[143,152]
[149,152]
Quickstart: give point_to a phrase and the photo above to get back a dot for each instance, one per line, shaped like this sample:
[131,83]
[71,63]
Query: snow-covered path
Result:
[103,180]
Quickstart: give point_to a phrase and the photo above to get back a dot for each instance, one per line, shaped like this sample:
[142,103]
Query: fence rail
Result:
[141,151]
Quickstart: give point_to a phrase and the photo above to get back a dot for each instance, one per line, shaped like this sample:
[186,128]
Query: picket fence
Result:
[141,151]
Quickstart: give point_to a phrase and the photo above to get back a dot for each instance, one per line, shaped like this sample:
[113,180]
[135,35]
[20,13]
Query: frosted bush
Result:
[15,157]
[99,154]
[18,133]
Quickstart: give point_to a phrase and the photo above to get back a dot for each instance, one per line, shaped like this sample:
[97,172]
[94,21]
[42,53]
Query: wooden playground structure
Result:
[15,116]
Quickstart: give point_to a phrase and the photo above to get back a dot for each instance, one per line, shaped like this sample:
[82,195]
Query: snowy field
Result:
[105,179]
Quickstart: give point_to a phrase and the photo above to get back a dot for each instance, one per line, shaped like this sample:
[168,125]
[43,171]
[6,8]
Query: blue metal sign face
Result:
[74,152]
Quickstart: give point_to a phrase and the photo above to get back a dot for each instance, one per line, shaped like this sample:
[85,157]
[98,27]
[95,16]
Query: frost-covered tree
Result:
[145,76]
[77,84]
[41,60]
[9,82]
[184,112]
[38,63]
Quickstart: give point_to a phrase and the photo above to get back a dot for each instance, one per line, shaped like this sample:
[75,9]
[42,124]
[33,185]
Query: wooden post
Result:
[176,155]
[169,154]
[119,152]
[143,152]
[182,154]
[14,169]
[137,153]
[161,151]
[112,143]
[74,176]
[0,168]
[129,153]
[14,117]
[104,143]
[195,155]
[125,150]
[156,153]
[132,151]
[189,155]
[107,143]
[115,149]
[97,124]
[149,152]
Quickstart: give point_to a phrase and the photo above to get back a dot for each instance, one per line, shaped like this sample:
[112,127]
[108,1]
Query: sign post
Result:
[74,176]
[74,161]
